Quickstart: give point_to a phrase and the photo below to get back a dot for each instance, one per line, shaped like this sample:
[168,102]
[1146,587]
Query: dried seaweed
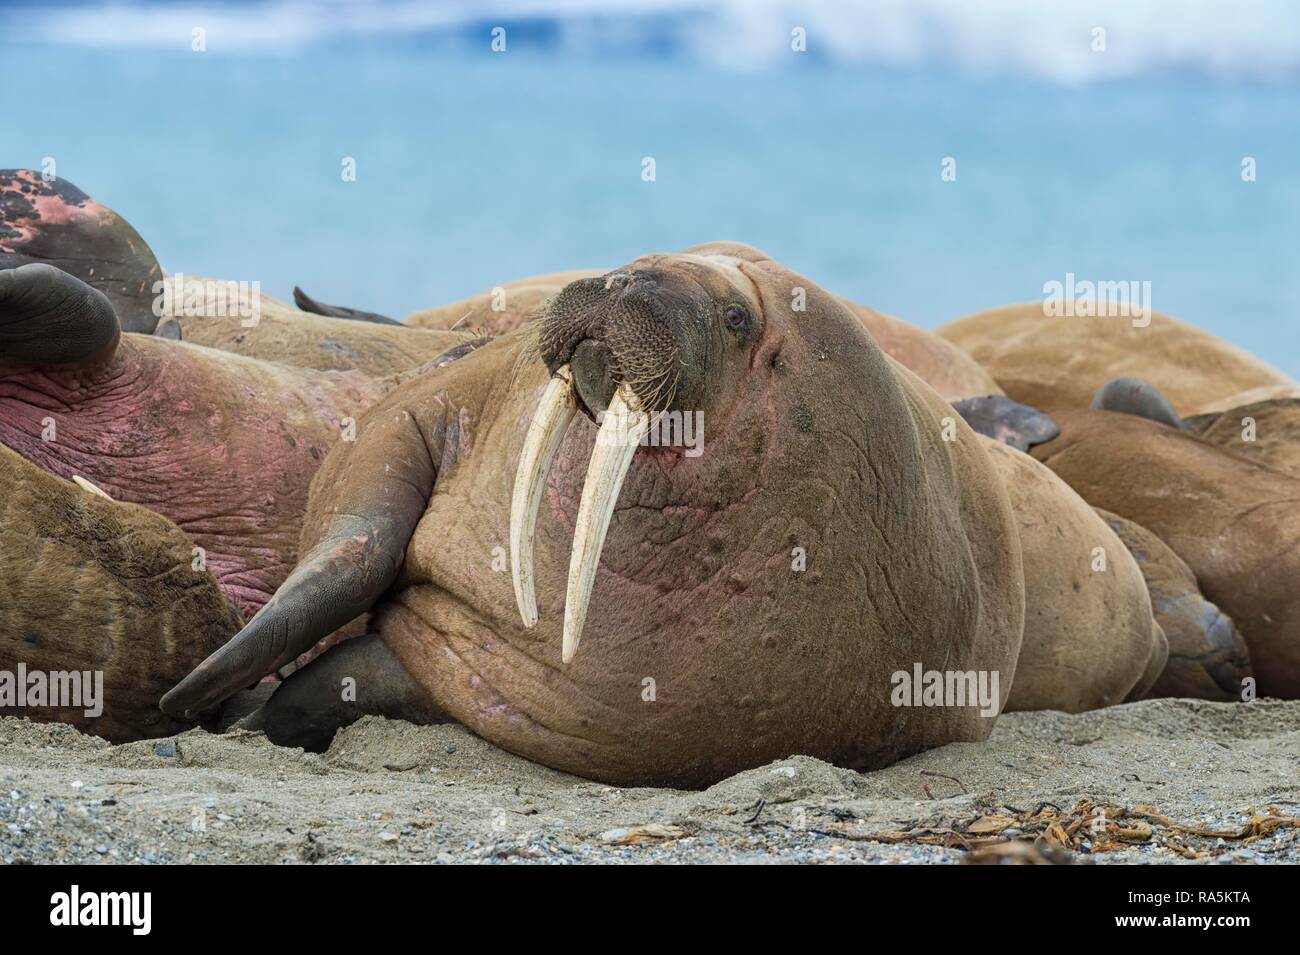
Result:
[1048,834]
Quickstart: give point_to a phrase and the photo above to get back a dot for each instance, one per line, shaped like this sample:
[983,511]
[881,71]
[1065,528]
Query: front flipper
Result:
[1000,418]
[365,503]
[308,304]
[1136,397]
[48,317]
[357,678]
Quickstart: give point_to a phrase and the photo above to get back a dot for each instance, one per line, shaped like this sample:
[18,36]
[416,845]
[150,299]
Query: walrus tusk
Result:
[545,432]
[85,485]
[621,430]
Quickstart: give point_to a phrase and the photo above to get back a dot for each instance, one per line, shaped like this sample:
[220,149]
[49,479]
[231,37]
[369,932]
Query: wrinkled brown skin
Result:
[224,446]
[91,584]
[1060,362]
[518,303]
[1208,659]
[1276,441]
[1090,639]
[814,440]
[288,336]
[1235,523]
[939,363]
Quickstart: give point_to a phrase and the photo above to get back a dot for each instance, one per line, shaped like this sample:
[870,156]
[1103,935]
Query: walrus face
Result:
[661,326]
[664,334]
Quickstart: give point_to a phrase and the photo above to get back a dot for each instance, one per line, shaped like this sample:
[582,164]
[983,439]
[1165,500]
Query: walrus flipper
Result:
[1000,418]
[48,317]
[307,709]
[49,220]
[309,304]
[364,517]
[1136,397]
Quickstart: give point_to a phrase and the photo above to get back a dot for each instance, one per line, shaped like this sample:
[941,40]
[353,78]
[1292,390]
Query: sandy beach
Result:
[1178,781]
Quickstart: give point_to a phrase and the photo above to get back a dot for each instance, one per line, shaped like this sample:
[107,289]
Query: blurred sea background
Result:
[474,167]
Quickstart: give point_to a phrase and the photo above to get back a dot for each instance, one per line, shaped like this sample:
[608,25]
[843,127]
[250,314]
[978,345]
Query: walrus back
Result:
[93,585]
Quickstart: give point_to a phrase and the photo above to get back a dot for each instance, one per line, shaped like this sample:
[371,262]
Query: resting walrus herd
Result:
[652,525]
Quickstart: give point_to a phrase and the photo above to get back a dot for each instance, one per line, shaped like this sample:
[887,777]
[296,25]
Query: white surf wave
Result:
[1056,40]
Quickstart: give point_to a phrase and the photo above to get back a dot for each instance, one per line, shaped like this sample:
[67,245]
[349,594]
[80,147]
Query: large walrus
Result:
[1051,361]
[841,531]
[940,364]
[105,595]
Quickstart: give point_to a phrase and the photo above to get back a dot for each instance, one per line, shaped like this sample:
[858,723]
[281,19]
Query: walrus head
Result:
[664,334]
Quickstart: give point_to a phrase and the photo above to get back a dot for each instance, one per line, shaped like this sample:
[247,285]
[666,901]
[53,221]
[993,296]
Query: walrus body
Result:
[1266,432]
[223,446]
[92,586]
[498,310]
[1234,523]
[754,601]
[1051,362]
[1090,639]
[288,336]
[1208,659]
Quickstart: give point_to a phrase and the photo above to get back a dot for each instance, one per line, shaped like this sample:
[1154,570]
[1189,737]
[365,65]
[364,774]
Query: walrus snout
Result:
[634,326]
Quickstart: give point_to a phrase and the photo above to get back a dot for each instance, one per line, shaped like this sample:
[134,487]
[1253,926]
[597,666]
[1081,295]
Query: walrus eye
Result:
[736,318]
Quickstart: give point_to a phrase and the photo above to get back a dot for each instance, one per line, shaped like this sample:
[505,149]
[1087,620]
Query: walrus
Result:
[1090,636]
[1266,432]
[940,364]
[223,446]
[95,587]
[749,602]
[1234,522]
[1208,659]
[841,530]
[1060,362]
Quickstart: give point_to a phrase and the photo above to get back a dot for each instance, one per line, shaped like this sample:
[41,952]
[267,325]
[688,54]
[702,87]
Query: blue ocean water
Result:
[474,168]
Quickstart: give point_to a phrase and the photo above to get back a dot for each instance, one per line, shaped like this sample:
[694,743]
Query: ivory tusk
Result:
[545,432]
[85,485]
[621,430]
